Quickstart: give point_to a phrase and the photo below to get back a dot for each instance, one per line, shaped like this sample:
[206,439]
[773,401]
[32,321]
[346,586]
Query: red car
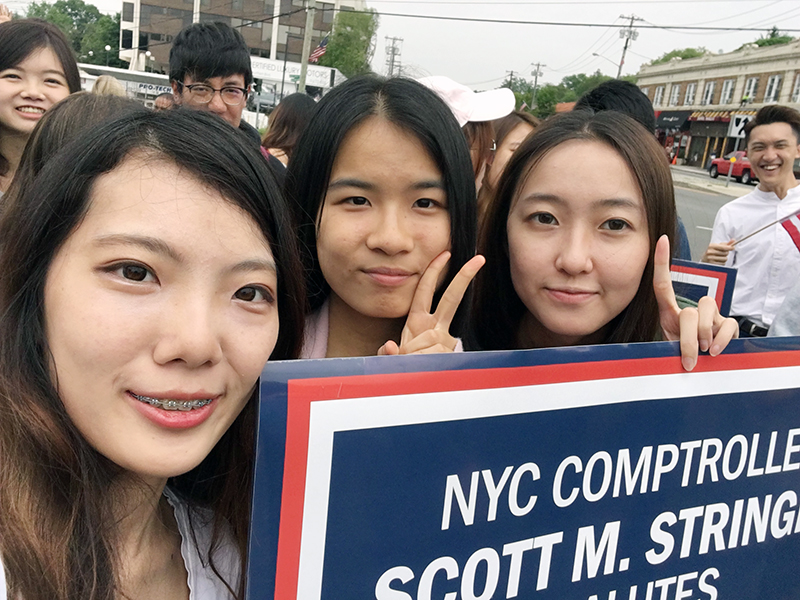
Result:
[741,168]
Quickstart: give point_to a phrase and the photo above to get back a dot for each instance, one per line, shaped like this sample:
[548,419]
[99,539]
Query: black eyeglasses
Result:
[202,93]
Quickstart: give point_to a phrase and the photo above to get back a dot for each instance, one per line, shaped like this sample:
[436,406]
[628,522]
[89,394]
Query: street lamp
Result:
[148,56]
[606,58]
[108,49]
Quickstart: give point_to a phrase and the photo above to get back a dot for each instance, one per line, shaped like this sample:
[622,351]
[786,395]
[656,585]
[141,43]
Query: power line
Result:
[568,24]
[560,2]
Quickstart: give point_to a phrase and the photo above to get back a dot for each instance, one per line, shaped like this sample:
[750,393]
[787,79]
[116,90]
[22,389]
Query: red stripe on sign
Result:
[721,278]
[792,231]
[302,392]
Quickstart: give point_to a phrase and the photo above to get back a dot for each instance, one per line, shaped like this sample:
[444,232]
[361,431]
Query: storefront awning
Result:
[672,119]
[718,115]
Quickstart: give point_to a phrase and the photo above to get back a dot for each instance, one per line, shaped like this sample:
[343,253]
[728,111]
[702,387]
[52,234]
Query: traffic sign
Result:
[736,127]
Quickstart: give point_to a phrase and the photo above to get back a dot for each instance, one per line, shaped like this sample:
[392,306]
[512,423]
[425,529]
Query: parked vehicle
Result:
[742,171]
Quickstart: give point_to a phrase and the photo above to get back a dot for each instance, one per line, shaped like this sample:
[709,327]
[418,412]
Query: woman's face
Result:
[30,88]
[384,219]
[504,151]
[163,298]
[578,243]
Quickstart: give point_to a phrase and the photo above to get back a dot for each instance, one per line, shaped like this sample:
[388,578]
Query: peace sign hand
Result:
[426,333]
[702,326]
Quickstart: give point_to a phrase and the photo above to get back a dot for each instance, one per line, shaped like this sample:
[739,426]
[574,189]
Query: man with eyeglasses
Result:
[209,69]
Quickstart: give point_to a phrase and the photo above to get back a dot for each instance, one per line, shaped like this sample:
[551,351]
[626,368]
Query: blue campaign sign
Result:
[693,280]
[602,473]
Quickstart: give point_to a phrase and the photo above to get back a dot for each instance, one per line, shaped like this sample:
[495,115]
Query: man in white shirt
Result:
[768,263]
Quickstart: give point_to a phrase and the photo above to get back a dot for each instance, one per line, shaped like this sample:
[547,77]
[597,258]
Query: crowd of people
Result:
[154,261]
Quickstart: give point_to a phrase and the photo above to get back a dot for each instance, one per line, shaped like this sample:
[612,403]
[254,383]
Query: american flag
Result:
[319,50]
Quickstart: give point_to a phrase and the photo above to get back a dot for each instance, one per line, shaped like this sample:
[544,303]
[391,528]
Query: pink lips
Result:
[570,295]
[175,419]
[387,276]
[33,115]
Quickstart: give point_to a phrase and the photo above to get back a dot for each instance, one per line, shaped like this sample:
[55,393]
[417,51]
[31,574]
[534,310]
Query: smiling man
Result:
[768,263]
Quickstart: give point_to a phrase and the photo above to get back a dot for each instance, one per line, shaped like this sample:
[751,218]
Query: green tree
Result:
[682,53]
[773,38]
[548,96]
[522,88]
[71,16]
[103,32]
[352,42]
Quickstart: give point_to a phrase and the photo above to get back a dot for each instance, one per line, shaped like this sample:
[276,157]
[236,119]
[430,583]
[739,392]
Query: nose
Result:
[574,254]
[33,90]
[189,333]
[217,105]
[769,154]
[390,232]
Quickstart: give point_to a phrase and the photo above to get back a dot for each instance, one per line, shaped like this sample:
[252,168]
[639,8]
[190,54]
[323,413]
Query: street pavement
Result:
[698,197]
[699,179]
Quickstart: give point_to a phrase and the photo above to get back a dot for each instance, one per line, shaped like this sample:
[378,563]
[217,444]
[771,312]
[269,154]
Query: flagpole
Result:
[310,12]
[768,225]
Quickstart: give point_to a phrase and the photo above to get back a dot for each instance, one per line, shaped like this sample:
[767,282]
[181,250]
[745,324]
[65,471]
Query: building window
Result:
[727,92]
[127,39]
[675,95]
[708,92]
[773,88]
[327,13]
[127,12]
[796,90]
[659,97]
[691,89]
[646,90]
[750,89]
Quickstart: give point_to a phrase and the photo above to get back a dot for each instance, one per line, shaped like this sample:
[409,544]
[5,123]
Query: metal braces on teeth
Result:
[185,405]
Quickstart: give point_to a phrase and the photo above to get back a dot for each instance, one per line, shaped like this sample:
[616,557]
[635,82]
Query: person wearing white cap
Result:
[475,112]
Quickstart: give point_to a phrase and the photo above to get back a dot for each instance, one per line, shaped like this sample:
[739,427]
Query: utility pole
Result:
[510,79]
[311,6]
[392,55]
[536,73]
[628,33]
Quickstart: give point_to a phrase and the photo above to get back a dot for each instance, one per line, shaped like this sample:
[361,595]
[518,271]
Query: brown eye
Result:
[253,293]
[134,272]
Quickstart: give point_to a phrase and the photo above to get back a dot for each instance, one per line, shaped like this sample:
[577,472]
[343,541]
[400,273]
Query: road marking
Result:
[705,228]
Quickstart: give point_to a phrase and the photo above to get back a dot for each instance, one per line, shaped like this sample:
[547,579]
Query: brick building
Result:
[273,29]
[695,99]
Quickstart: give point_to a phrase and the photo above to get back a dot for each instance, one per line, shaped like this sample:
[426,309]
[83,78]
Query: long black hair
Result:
[56,538]
[410,106]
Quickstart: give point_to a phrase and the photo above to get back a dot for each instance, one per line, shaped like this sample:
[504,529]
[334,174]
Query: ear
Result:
[176,91]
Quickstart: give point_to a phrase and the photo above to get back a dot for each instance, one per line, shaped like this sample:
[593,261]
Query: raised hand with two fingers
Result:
[426,332]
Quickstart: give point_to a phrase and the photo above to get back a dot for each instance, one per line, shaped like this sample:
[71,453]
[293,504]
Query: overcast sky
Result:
[479,54]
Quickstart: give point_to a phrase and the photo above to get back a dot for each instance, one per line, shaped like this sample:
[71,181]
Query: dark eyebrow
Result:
[158,246]
[254,264]
[350,182]
[426,184]
[606,202]
[142,241]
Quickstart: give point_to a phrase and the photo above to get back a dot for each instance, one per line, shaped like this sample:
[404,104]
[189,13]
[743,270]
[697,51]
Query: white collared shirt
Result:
[769,262]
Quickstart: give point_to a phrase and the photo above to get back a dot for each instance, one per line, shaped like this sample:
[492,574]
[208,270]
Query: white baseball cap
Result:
[468,105]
